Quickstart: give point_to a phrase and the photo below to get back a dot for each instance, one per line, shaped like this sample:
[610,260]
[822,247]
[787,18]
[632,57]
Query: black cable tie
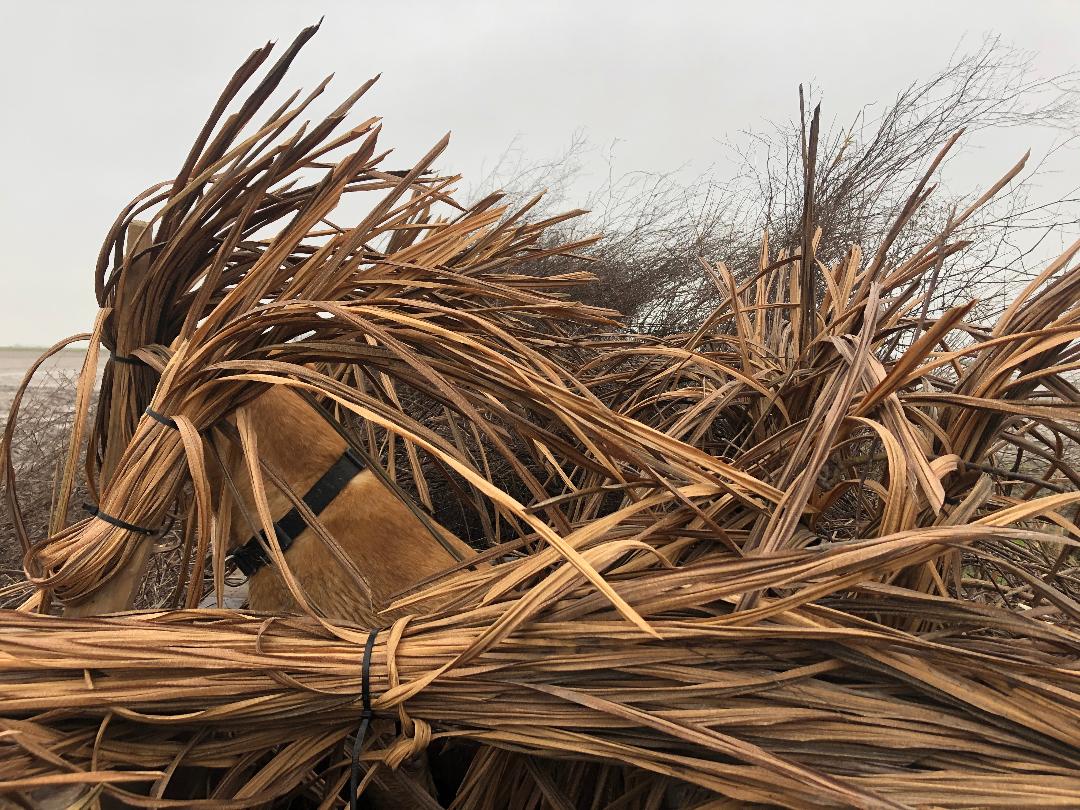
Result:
[365,715]
[160,418]
[129,359]
[120,524]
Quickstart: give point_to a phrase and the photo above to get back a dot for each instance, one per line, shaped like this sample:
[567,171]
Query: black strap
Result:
[161,418]
[122,524]
[377,470]
[127,359]
[252,556]
[365,719]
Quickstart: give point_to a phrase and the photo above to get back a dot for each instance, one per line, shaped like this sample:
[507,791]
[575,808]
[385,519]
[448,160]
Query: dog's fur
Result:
[385,540]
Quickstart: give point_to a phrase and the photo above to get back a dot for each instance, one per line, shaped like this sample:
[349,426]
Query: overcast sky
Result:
[103,98]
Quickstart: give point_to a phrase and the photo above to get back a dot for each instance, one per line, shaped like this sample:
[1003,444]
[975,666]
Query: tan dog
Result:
[382,536]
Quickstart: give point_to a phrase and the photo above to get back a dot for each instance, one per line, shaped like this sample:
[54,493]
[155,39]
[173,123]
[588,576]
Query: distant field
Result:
[57,372]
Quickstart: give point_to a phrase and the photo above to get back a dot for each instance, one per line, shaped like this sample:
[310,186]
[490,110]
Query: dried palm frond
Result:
[740,559]
[814,707]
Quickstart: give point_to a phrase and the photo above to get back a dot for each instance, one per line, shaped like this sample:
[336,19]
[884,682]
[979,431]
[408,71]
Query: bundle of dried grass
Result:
[817,707]
[737,559]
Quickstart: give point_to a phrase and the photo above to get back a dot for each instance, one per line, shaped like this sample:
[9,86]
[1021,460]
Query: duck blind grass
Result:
[818,552]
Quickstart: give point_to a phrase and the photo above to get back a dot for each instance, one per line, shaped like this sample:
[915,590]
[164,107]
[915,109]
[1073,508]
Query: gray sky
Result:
[103,98]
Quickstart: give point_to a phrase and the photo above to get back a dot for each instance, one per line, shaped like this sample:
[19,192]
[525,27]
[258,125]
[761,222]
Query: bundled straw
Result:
[747,711]
[744,559]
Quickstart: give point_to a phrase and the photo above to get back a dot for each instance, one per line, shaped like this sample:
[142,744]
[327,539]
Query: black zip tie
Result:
[129,359]
[120,524]
[365,721]
[160,418]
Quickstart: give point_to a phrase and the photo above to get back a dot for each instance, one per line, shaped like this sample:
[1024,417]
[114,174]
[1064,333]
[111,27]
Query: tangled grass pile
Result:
[819,552]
